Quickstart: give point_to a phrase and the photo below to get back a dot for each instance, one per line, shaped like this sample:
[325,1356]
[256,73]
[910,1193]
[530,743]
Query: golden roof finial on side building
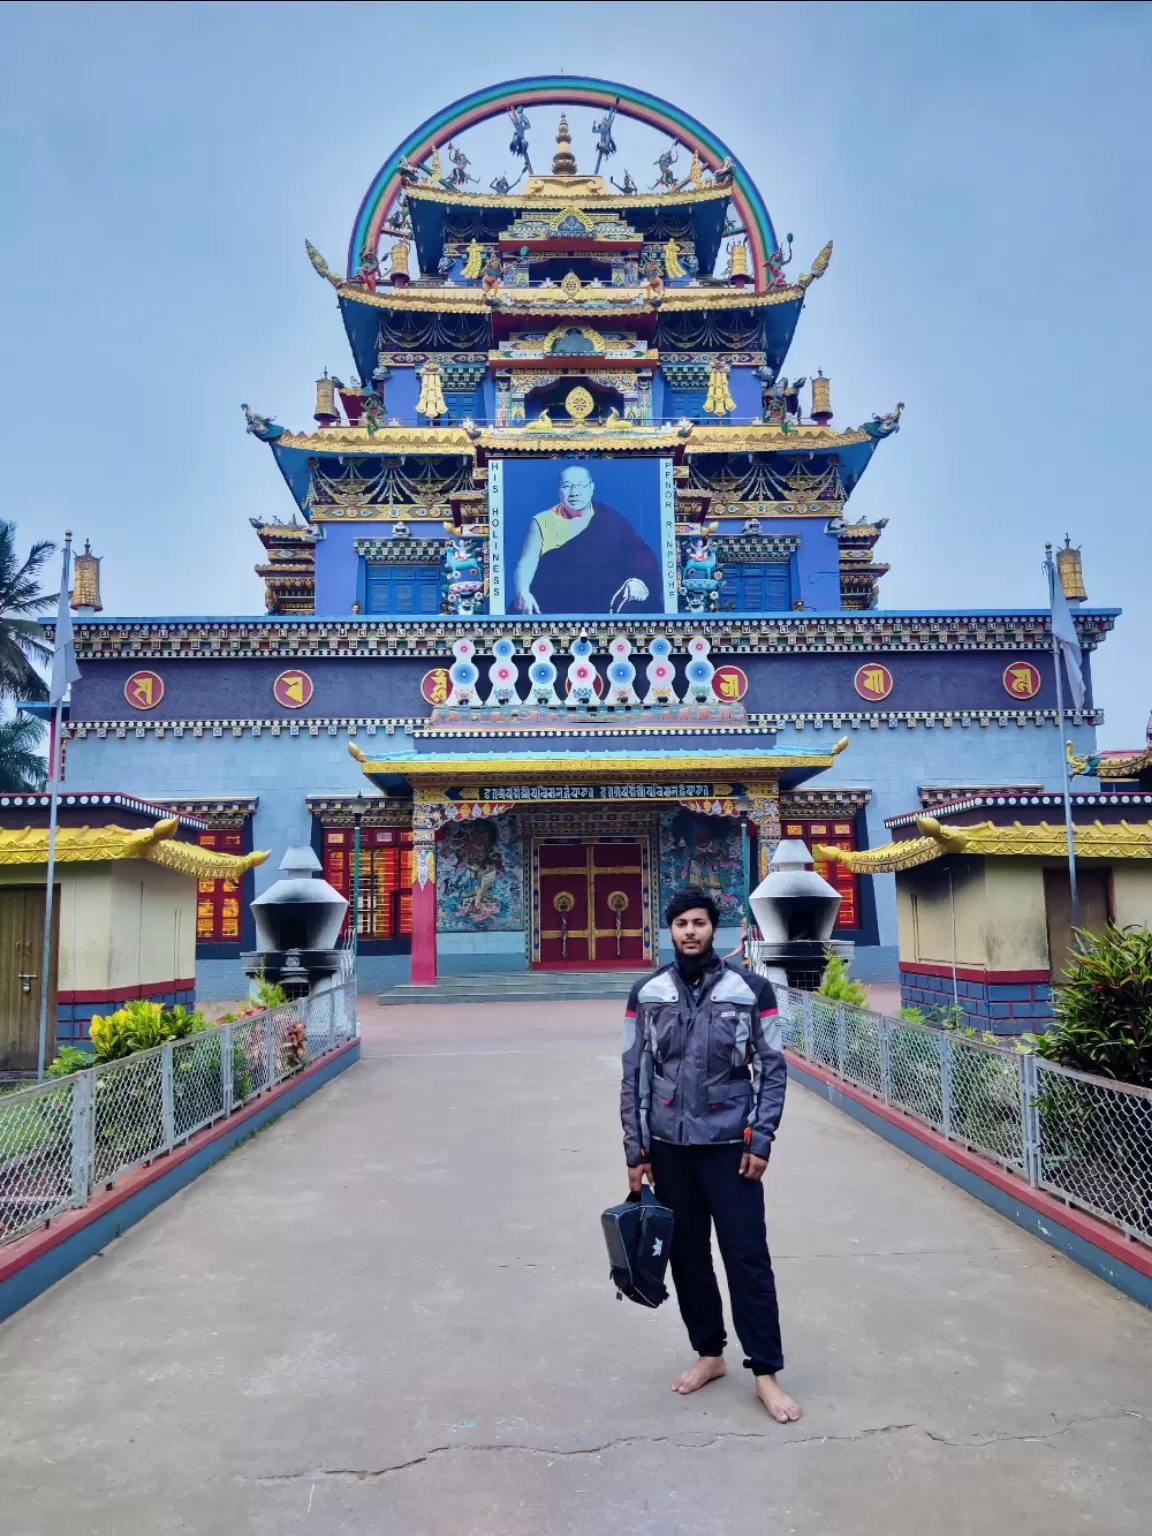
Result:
[1071,572]
[563,161]
[86,584]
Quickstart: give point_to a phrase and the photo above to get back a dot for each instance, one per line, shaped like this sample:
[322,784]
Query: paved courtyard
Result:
[390,1313]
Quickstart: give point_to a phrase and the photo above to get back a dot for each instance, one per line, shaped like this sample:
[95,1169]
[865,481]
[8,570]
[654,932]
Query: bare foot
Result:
[707,1368]
[776,1400]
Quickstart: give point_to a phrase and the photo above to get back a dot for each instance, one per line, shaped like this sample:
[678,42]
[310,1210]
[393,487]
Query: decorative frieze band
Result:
[755,725]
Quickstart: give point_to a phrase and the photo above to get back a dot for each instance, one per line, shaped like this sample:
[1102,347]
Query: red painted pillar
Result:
[424,908]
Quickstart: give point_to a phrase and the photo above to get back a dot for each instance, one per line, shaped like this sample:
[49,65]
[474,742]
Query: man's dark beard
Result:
[692,967]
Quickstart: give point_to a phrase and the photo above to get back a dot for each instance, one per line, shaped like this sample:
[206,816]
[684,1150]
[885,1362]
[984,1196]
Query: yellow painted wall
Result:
[924,912]
[1013,918]
[1132,892]
[123,923]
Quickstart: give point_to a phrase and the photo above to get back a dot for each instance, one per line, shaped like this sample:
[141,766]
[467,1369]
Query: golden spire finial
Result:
[86,582]
[563,161]
[1071,572]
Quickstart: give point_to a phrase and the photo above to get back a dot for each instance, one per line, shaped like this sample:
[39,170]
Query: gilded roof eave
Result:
[94,845]
[560,197]
[592,302]
[1101,840]
[1129,767]
[697,438]
[436,769]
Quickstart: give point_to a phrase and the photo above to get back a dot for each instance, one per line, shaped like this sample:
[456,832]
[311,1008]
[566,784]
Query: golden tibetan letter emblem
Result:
[144,690]
[873,681]
[730,684]
[434,686]
[1021,680]
[292,689]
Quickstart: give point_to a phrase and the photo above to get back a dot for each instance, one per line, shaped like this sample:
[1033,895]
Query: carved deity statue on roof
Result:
[664,164]
[459,176]
[628,186]
[520,127]
[776,263]
[605,143]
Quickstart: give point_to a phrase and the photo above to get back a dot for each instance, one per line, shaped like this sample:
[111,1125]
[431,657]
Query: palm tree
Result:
[21,765]
[22,640]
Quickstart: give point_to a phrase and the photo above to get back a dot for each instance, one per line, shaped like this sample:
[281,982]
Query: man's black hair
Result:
[689,897]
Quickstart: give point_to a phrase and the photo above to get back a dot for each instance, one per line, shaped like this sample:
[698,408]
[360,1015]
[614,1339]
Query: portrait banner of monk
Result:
[583,536]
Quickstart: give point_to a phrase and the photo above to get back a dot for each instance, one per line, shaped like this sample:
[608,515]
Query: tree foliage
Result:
[1103,1008]
[23,643]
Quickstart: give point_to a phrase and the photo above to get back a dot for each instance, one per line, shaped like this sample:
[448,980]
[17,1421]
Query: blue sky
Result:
[982,169]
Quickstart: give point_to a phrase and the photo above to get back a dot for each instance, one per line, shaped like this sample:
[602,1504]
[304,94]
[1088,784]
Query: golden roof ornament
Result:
[326,412]
[321,266]
[1069,569]
[86,586]
[579,403]
[563,161]
[821,398]
[431,402]
[399,273]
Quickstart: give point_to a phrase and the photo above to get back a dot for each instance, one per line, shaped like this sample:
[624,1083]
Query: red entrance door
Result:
[591,910]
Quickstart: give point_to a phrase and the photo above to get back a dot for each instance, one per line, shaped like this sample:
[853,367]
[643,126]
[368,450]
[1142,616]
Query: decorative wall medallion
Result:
[873,681]
[730,684]
[144,690]
[1021,680]
[434,686]
[292,689]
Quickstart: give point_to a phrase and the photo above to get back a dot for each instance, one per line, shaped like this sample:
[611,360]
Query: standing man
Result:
[700,1101]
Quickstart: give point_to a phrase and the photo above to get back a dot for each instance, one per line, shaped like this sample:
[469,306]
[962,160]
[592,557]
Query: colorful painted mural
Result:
[480,870]
[702,850]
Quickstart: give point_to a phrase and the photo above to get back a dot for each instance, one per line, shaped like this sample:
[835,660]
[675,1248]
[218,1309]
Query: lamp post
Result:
[357,820]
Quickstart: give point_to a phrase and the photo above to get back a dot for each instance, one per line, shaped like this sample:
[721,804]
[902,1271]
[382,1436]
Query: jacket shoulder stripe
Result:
[658,989]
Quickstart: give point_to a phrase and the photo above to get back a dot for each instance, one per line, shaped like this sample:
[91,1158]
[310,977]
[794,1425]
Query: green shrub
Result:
[139,1026]
[1103,1008]
[838,986]
[70,1059]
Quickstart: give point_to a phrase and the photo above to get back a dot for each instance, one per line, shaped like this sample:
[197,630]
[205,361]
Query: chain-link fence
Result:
[1085,1139]
[63,1139]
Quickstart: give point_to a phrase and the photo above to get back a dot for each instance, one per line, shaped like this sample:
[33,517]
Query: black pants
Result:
[702,1185]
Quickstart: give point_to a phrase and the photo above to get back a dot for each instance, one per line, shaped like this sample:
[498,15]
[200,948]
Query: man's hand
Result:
[752,1167]
[637,1175]
[633,591]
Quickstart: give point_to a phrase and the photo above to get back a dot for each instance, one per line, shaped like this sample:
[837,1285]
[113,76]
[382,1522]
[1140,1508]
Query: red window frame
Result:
[387,871]
[837,834]
[218,902]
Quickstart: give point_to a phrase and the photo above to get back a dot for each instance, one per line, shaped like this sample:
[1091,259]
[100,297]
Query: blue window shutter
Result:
[403,589]
[756,587]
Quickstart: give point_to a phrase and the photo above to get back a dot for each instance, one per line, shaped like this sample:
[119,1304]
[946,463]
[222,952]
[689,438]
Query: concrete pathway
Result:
[390,1313]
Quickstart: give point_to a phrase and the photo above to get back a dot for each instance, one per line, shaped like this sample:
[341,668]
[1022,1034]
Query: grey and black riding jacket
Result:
[704,1071]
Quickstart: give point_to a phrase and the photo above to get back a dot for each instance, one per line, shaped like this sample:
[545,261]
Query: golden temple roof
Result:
[1130,766]
[92,845]
[437,770]
[1115,840]
[566,192]
[609,300]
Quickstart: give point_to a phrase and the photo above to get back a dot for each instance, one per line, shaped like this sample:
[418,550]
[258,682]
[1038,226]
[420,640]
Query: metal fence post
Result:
[885,1025]
[1030,1119]
[841,1039]
[226,1050]
[946,1085]
[83,1136]
[167,1106]
[270,1039]
[808,1025]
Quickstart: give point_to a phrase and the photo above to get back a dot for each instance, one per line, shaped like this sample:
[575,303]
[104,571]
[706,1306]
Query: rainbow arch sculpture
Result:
[564,90]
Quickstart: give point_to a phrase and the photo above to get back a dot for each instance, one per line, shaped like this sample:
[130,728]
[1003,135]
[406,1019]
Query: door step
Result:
[517,987]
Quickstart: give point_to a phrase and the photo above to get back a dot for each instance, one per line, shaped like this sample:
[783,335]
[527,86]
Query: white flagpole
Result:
[53,802]
[1058,663]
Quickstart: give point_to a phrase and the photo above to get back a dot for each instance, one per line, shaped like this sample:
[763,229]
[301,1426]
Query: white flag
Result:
[1065,631]
[64,668]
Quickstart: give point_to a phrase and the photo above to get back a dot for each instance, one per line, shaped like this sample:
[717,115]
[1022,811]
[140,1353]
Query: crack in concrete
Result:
[687,1443]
